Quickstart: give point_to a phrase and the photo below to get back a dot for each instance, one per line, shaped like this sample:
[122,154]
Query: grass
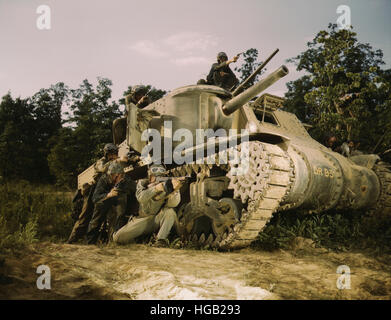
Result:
[337,230]
[29,213]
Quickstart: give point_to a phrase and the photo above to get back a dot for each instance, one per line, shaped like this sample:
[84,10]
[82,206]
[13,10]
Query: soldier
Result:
[139,98]
[221,74]
[77,203]
[83,217]
[349,149]
[111,192]
[346,148]
[330,141]
[157,203]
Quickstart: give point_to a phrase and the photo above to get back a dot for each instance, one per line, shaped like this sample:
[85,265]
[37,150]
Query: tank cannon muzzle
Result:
[241,99]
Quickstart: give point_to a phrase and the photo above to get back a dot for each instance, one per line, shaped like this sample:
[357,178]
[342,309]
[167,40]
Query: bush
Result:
[19,238]
[29,213]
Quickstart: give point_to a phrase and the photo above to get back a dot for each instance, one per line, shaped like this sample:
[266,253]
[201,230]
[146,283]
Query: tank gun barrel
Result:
[254,74]
[236,102]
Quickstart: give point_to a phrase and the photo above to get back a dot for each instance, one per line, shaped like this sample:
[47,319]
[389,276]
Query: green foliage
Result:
[89,128]
[38,145]
[249,65]
[18,239]
[337,230]
[26,126]
[16,120]
[30,212]
[78,145]
[344,90]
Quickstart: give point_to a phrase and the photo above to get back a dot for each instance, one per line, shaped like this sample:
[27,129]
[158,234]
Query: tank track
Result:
[263,187]
[383,205]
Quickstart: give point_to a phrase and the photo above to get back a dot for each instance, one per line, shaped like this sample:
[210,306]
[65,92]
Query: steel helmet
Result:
[221,55]
[110,148]
[139,89]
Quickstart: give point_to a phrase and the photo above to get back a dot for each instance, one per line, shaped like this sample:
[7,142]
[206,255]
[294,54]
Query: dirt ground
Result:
[142,272]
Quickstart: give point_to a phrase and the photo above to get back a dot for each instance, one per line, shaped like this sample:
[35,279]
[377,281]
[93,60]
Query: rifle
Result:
[165,179]
[144,96]
[125,185]
[168,187]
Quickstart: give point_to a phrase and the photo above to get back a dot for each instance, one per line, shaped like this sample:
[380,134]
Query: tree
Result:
[64,155]
[344,90]
[16,142]
[46,110]
[295,98]
[26,126]
[89,128]
[249,65]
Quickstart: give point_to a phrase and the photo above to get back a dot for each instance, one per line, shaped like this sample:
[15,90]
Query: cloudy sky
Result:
[165,43]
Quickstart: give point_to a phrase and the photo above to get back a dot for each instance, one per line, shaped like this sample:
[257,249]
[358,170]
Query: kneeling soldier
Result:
[110,193]
[157,202]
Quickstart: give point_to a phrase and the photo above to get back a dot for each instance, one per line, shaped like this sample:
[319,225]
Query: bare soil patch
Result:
[141,272]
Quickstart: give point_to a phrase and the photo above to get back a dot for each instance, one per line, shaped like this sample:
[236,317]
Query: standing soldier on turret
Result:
[139,98]
[221,74]
[83,219]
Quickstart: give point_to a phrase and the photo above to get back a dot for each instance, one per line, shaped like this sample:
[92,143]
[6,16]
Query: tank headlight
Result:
[252,126]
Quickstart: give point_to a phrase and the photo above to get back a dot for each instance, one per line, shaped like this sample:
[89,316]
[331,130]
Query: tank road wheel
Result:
[260,190]
[231,210]
[192,223]
[262,187]
[185,225]
[181,228]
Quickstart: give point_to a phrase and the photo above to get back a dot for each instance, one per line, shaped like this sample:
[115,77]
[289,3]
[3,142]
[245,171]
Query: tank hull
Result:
[247,160]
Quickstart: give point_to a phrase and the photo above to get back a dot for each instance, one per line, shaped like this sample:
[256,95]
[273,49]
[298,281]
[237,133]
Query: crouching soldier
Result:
[111,192]
[83,216]
[221,74]
[157,202]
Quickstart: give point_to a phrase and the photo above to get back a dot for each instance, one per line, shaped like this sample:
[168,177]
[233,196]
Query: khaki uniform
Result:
[156,213]
[81,226]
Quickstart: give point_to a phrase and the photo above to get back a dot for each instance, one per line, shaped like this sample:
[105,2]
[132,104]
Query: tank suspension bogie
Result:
[235,222]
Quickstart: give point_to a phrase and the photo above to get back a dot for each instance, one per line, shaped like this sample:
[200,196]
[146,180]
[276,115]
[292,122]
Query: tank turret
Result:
[235,103]
[192,108]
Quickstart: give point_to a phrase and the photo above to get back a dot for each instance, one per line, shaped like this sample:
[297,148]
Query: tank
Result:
[247,158]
